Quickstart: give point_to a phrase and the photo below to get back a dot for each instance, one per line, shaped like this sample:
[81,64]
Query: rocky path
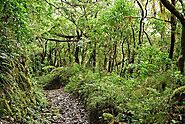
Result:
[65,108]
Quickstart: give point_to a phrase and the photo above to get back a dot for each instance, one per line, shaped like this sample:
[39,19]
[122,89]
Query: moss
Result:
[7,105]
[17,96]
[59,77]
[178,92]
[108,116]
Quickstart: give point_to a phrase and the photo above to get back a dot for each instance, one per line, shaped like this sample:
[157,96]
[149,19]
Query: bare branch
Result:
[146,12]
[140,6]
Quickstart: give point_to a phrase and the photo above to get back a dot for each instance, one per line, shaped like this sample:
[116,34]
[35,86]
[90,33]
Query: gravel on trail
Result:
[69,109]
[63,108]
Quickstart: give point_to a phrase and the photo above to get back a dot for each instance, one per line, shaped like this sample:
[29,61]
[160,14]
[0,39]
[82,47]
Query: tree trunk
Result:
[173,28]
[94,57]
[141,23]
[123,59]
[181,60]
[109,67]
[55,54]
[105,62]
[181,18]
[114,56]
[77,47]
[110,62]
[44,52]
[162,16]
[83,54]
[50,55]
[77,53]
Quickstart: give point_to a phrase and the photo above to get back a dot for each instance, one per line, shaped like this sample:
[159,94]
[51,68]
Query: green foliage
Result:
[116,13]
[108,36]
[157,26]
[19,97]
[98,93]
[149,61]
[136,100]
[58,77]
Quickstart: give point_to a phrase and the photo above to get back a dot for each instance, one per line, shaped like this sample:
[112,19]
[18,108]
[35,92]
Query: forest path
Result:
[64,108]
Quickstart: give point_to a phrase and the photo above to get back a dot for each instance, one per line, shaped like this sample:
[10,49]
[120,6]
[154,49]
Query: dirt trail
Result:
[65,108]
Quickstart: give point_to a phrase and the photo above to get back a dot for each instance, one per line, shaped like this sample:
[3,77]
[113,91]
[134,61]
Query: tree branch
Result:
[51,4]
[66,36]
[141,23]
[60,40]
[64,9]
[146,12]
[147,36]
[73,5]
[174,11]
[159,19]
[149,17]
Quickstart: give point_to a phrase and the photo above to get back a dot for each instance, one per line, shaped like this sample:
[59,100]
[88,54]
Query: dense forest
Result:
[105,61]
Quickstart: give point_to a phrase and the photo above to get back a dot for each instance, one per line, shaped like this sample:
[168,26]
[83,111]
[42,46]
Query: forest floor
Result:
[66,108]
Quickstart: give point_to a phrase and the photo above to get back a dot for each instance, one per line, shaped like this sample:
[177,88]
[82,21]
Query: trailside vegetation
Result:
[123,59]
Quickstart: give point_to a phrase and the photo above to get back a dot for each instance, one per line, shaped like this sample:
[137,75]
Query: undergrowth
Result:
[58,77]
[111,98]
[126,100]
[20,99]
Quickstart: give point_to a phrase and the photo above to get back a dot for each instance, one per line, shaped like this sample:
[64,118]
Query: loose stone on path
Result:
[65,108]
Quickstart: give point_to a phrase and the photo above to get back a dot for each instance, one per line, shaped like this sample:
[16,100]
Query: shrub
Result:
[99,94]
[136,100]
[59,77]
[20,99]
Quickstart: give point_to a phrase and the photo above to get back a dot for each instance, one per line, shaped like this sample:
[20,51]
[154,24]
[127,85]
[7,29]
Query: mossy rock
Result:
[178,103]
[178,91]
